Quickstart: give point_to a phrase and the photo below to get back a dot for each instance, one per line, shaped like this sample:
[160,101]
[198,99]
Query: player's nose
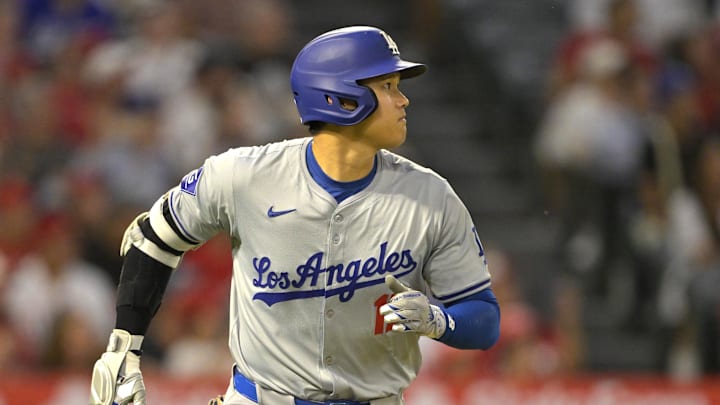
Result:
[403,101]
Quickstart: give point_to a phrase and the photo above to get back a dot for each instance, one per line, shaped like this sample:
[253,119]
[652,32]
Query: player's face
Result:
[386,127]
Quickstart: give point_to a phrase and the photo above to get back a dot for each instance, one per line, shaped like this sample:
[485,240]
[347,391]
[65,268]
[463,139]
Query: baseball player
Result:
[337,244]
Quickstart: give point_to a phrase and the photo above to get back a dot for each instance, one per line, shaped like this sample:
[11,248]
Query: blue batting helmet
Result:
[328,68]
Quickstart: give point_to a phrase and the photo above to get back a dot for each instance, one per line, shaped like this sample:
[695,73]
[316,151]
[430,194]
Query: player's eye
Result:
[387,85]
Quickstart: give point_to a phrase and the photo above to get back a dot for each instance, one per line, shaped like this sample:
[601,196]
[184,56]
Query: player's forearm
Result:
[149,260]
[477,322]
[142,284]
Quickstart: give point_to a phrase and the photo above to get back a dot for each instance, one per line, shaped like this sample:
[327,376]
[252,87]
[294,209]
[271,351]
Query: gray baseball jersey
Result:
[308,273]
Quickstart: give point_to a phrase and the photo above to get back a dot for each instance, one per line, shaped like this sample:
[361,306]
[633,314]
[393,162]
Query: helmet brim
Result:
[406,70]
[413,70]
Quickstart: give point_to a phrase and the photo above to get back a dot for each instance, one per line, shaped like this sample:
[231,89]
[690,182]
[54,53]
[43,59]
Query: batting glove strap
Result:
[116,376]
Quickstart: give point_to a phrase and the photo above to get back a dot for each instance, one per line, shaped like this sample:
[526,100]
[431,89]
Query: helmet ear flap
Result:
[346,108]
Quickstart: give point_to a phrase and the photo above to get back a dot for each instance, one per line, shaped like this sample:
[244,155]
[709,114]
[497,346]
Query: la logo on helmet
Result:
[391,44]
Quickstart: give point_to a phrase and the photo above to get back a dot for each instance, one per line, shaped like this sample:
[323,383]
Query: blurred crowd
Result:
[629,147]
[627,159]
[104,105]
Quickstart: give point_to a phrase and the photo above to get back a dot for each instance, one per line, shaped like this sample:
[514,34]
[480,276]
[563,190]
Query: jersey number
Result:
[380,326]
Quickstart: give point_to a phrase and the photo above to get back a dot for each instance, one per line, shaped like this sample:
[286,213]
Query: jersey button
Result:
[329,360]
[330,313]
[339,218]
[336,239]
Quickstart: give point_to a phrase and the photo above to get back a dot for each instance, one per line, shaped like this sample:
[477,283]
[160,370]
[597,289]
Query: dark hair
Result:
[316,126]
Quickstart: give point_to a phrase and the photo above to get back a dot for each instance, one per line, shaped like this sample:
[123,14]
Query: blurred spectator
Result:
[9,348]
[686,303]
[52,282]
[127,153]
[704,299]
[428,26]
[13,58]
[154,63]
[197,89]
[262,109]
[648,226]
[532,345]
[72,344]
[703,56]
[99,222]
[255,113]
[591,120]
[261,28]
[589,144]
[675,97]
[619,26]
[194,117]
[67,91]
[48,25]
[15,65]
[661,21]
[17,223]
[201,349]
[205,273]
[38,149]
[658,21]
[257,35]
[668,153]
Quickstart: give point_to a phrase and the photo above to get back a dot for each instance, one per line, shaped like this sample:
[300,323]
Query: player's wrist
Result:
[122,341]
[444,323]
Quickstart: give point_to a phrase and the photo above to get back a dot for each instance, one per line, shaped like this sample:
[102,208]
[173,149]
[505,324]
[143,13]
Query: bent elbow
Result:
[493,335]
[492,339]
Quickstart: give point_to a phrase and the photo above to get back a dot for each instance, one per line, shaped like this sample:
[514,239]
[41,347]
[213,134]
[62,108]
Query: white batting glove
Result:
[409,310]
[116,378]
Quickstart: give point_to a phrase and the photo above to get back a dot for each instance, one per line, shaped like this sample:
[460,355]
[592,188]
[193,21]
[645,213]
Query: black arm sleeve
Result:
[143,281]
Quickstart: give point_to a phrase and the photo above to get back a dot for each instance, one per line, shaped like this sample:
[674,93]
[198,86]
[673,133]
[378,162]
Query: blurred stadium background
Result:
[583,135]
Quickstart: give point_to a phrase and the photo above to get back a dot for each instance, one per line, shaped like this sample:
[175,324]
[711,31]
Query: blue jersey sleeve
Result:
[477,321]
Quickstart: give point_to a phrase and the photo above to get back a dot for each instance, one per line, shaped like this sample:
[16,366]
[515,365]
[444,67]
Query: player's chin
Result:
[396,139]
